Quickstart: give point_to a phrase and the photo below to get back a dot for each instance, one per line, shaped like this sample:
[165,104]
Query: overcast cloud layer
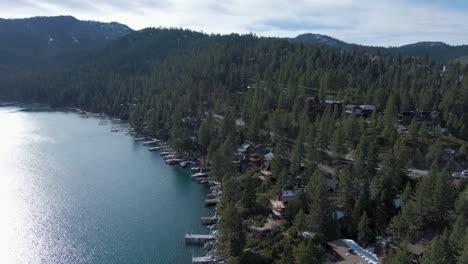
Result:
[377,22]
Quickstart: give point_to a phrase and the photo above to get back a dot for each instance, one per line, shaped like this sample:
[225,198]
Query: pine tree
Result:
[298,153]
[222,160]
[253,129]
[319,209]
[284,179]
[352,130]
[390,117]
[400,256]
[459,229]
[401,152]
[279,159]
[204,137]
[229,125]
[324,130]
[300,221]
[230,192]
[232,239]
[347,192]
[423,131]
[461,204]
[287,256]
[442,198]
[413,129]
[309,253]
[438,252]
[338,143]
[463,258]
[313,154]
[406,195]
[407,222]
[249,195]
[363,230]
[391,175]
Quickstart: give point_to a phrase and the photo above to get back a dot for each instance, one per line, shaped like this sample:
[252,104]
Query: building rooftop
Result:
[351,253]
[269,156]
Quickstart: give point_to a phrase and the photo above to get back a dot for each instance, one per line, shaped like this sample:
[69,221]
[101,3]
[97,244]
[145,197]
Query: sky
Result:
[366,22]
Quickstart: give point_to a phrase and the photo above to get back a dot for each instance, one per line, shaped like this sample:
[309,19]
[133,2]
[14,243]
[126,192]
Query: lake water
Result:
[73,192]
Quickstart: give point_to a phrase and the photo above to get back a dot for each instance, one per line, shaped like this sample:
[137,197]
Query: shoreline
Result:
[213,188]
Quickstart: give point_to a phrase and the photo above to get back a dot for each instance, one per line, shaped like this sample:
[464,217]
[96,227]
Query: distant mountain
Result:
[137,51]
[317,39]
[438,51]
[36,40]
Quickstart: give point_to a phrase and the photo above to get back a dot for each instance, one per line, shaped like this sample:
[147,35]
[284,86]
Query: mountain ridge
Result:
[41,40]
[37,40]
[436,50]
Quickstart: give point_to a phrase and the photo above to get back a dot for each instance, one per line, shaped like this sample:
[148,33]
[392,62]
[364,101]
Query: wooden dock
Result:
[209,220]
[199,175]
[211,196]
[204,260]
[211,202]
[198,239]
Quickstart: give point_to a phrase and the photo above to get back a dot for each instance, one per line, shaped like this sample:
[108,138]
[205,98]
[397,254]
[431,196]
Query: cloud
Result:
[384,22]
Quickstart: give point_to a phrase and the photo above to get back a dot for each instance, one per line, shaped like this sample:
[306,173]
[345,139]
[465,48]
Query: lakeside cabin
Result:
[251,156]
[428,118]
[279,206]
[314,105]
[364,110]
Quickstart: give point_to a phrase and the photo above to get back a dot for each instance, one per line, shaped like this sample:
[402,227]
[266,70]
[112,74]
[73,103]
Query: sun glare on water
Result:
[14,219]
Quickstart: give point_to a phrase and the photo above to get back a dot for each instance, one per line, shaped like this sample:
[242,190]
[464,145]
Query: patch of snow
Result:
[417,173]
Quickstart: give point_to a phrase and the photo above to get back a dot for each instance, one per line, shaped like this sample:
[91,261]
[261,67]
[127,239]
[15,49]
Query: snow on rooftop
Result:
[369,257]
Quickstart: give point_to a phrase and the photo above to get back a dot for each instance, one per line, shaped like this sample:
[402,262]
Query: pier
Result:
[198,239]
[200,175]
[211,196]
[209,220]
[204,260]
[150,142]
[211,202]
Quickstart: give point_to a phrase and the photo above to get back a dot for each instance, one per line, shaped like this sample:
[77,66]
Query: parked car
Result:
[460,175]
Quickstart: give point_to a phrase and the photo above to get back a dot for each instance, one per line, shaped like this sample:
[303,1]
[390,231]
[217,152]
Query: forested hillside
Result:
[41,40]
[207,94]
[214,71]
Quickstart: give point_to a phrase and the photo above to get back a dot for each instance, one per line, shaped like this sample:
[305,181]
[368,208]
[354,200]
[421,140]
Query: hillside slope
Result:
[39,40]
